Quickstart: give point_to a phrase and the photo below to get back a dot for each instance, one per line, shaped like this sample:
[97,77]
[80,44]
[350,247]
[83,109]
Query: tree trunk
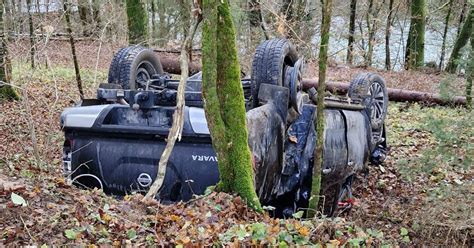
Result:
[96,5]
[185,19]
[32,35]
[461,41]
[461,17]
[6,90]
[137,22]
[371,28]
[83,8]
[445,34]
[470,71]
[388,64]
[318,152]
[255,17]
[350,45]
[163,28]
[416,38]
[67,16]
[153,21]
[224,105]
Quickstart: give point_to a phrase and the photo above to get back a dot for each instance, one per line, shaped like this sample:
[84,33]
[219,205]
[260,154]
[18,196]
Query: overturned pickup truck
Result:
[115,142]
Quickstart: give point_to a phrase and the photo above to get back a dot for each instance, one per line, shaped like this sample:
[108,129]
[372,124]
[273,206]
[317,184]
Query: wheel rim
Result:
[377,109]
[378,102]
[143,73]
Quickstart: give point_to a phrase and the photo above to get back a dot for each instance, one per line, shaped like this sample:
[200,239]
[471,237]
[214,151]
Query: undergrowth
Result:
[431,149]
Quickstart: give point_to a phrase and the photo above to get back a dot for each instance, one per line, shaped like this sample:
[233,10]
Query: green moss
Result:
[224,102]
[461,41]
[416,39]
[470,73]
[318,154]
[8,93]
[137,22]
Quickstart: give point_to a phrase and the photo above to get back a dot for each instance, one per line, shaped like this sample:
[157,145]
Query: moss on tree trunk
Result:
[137,22]
[6,91]
[461,41]
[470,74]
[318,152]
[224,102]
[416,38]
[445,34]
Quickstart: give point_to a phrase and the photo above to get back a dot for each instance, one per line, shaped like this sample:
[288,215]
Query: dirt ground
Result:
[400,203]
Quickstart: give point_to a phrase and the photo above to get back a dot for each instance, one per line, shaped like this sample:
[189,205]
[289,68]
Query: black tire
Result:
[132,66]
[269,62]
[370,88]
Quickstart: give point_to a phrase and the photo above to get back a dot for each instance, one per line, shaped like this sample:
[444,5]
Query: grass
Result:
[433,148]
[23,74]
[445,136]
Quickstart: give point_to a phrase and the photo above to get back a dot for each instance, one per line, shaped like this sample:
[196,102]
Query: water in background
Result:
[340,32]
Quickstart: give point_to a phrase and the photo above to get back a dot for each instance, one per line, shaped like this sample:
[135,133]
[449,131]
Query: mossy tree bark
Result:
[416,37]
[350,44]
[470,75]
[6,91]
[445,34]
[318,152]
[137,22]
[224,102]
[461,41]
[461,17]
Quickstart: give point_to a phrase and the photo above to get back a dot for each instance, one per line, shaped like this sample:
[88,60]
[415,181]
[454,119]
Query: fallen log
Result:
[171,65]
[397,95]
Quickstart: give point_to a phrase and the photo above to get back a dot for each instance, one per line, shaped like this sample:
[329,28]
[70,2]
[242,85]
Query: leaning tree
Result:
[461,40]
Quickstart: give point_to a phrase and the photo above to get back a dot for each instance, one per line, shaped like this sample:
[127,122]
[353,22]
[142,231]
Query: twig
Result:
[99,50]
[27,230]
[31,126]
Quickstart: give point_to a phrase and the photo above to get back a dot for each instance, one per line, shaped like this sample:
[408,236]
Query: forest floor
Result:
[422,194]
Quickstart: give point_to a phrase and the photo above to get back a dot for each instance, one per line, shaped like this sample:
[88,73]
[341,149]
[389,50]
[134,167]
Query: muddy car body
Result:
[115,142]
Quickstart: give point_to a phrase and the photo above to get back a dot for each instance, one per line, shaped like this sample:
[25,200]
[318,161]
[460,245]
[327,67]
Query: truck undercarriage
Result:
[114,142]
